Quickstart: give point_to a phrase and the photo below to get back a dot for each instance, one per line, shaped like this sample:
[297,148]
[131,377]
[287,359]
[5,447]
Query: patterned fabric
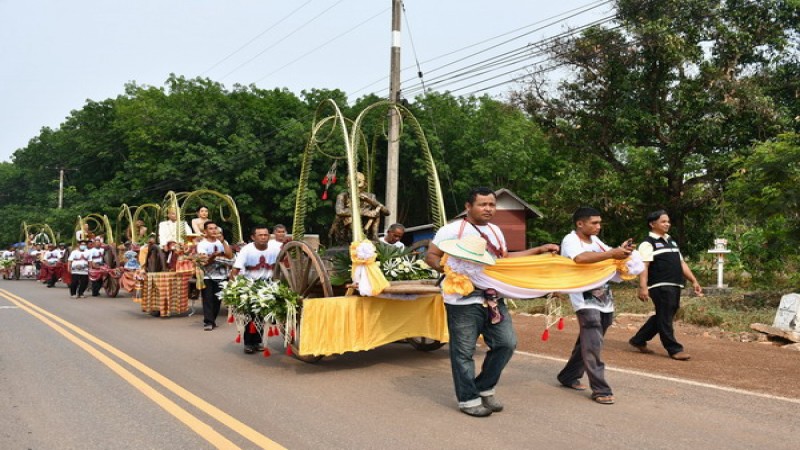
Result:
[48,271]
[166,293]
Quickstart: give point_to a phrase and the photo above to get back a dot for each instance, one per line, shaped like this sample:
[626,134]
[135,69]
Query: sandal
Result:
[604,399]
[577,385]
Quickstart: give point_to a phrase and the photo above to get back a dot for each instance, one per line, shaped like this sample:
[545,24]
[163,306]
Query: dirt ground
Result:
[747,361]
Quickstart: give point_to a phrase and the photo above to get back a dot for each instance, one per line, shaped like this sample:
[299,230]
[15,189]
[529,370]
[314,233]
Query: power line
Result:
[281,39]
[280,21]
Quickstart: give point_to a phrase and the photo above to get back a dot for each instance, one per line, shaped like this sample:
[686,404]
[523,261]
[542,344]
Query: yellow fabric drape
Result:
[551,273]
[336,325]
[376,278]
[457,283]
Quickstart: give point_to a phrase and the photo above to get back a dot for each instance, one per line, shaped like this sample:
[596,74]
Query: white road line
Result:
[676,380]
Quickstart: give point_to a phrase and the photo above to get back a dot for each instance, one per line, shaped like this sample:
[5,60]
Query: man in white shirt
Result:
[78,266]
[214,248]
[393,235]
[467,317]
[595,308]
[97,254]
[255,261]
[168,229]
[51,259]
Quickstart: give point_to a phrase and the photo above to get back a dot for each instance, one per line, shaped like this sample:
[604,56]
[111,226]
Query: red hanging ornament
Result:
[238,338]
[252,328]
[325,180]
[292,334]
[266,352]
[546,334]
[230,319]
[561,323]
[325,194]
[269,333]
[288,351]
[333,179]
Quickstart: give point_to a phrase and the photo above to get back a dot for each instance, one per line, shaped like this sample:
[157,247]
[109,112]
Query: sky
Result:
[56,55]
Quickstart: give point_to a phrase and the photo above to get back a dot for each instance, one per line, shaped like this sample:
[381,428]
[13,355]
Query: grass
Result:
[734,312]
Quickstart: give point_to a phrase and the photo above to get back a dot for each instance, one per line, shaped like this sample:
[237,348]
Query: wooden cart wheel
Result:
[424,344]
[111,286]
[303,271]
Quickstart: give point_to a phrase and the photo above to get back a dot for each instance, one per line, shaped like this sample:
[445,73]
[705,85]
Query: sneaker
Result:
[208,327]
[73,296]
[491,402]
[260,347]
[248,349]
[476,411]
[81,296]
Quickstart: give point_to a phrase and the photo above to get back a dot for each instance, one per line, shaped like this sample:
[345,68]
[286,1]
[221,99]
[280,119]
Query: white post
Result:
[720,265]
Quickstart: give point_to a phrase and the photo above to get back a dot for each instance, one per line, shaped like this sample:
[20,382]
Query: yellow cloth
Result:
[455,283]
[550,273]
[335,325]
[377,280]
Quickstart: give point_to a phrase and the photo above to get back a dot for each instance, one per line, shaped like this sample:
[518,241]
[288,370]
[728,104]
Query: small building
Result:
[512,217]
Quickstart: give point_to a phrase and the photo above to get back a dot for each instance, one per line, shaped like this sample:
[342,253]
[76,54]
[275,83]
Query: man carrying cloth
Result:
[255,261]
[467,316]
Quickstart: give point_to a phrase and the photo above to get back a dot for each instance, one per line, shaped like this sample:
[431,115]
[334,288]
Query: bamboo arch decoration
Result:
[225,207]
[95,222]
[150,214]
[125,222]
[352,140]
[36,229]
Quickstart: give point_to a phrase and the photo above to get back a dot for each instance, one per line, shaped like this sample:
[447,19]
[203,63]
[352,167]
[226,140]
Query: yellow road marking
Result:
[221,416]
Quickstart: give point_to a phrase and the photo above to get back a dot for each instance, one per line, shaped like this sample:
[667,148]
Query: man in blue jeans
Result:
[468,316]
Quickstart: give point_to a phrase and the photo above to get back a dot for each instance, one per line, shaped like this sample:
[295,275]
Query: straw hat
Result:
[471,248]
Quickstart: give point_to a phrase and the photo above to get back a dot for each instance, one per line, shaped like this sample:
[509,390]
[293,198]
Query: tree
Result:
[672,87]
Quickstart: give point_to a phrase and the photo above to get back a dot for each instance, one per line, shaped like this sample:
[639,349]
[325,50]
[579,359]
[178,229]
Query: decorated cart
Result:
[373,311]
[26,265]
[168,277]
[94,226]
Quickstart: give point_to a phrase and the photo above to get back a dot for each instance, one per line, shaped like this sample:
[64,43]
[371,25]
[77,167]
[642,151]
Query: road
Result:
[97,373]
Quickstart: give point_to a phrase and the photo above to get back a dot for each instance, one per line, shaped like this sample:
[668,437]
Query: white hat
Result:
[471,248]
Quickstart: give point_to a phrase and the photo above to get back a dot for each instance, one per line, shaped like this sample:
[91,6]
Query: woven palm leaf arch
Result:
[222,208]
[150,214]
[34,229]
[124,224]
[355,143]
[98,224]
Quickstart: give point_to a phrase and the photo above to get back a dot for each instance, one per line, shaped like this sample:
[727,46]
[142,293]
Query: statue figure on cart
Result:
[369,207]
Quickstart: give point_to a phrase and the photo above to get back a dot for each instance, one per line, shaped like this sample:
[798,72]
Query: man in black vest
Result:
[662,280]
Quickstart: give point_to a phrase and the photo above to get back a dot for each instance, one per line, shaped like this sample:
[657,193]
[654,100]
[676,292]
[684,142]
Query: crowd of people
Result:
[201,246]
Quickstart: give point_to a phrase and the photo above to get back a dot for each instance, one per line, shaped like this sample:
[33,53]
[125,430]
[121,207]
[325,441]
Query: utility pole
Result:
[61,171]
[393,154]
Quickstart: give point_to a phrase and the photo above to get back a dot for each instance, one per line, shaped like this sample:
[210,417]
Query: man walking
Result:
[255,261]
[214,248]
[467,318]
[595,308]
[662,280]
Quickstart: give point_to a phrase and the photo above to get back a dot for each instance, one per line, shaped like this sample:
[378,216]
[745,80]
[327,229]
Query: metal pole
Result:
[60,188]
[393,153]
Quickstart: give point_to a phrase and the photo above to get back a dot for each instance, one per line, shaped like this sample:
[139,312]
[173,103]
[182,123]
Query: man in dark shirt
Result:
[662,280]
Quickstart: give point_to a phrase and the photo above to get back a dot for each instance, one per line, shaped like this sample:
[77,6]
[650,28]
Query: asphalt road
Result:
[97,373]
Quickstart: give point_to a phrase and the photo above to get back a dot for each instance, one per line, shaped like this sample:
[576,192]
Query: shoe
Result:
[208,327]
[641,347]
[95,295]
[476,411]
[577,385]
[73,296]
[260,347]
[81,296]
[490,402]
[681,356]
[248,349]
[604,399]
[50,286]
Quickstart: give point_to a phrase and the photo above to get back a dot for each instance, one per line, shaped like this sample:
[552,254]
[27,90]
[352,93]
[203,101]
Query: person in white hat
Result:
[467,318]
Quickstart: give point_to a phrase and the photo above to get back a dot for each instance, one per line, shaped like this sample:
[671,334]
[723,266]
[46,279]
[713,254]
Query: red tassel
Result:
[292,334]
[561,323]
[325,194]
[546,334]
[333,180]
[238,338]
[288,351]
[325,179]
[269,333]
[266,352]
[230,319]
[252,328]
